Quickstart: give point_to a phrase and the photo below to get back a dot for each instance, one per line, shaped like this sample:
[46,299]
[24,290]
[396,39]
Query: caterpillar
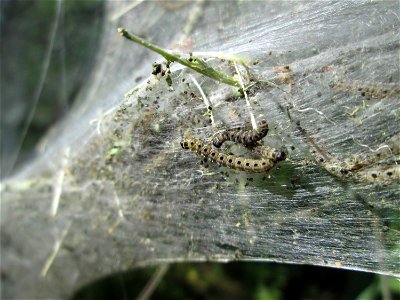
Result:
[366,89]
[242,136]
[272,156]
[359,168]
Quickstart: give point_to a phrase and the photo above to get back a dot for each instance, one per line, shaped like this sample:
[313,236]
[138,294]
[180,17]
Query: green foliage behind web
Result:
[258,281]
[25,34]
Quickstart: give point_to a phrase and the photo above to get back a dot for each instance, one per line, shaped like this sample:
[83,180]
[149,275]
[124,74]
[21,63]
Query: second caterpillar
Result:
[242,136]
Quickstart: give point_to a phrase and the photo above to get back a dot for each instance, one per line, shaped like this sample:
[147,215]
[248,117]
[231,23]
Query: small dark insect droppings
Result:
[299,131]
[157,69]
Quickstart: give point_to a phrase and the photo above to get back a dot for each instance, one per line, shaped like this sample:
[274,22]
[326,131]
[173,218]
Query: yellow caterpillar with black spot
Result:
[269,156]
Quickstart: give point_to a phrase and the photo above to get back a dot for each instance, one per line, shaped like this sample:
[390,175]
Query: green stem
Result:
[195,64]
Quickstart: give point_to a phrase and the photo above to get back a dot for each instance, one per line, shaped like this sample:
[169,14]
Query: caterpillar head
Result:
[263,124]
[217,143]
[280,155]
[184,145]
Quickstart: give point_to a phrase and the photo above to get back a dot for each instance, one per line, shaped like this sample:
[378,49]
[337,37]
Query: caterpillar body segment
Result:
[379,174]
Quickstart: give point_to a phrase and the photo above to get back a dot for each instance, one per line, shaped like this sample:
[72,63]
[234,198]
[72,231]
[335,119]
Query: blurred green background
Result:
[25,35]
[245,280]
[25,31]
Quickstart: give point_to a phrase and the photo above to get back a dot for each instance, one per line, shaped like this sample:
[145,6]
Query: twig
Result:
[193,63]
[253,120]
[53,255]
[58,183]
[206,101]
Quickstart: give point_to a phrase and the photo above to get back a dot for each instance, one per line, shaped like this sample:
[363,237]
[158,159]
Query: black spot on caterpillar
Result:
[242,136]
[264,164]
[379,173]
